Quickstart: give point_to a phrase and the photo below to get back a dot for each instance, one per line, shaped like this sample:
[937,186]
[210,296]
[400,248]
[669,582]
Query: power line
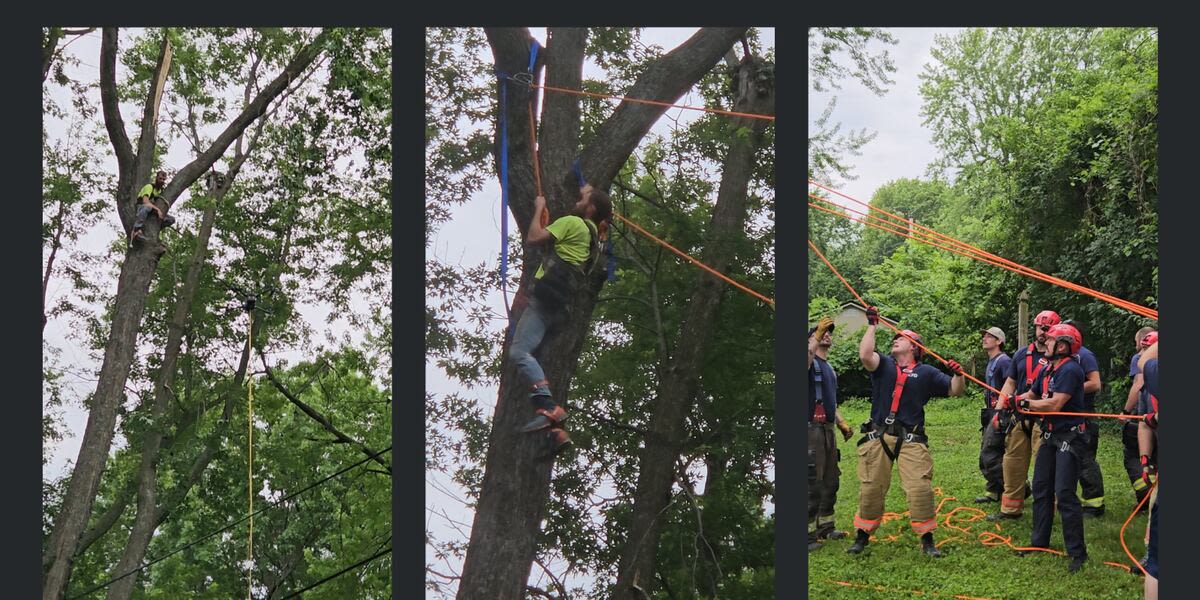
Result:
[229,526]
[339,573]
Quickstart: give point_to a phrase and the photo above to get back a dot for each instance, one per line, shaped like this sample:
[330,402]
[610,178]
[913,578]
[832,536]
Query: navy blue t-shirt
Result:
[924,382]
[1133,368]
[1067,378]
[1144,405]
[997,372]
[1016,369]
[1088,361]
[828,389]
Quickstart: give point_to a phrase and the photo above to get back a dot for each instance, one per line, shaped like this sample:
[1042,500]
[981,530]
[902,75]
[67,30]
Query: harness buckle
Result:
[890,419]
[1065,447]
[909,437]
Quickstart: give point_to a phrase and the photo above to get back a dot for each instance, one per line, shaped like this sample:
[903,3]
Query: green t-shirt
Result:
[150,190]
[572,240]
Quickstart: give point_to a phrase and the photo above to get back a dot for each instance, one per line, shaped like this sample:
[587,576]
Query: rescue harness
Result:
[893,427]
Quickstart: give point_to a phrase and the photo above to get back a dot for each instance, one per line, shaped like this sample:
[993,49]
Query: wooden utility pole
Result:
[1023,319]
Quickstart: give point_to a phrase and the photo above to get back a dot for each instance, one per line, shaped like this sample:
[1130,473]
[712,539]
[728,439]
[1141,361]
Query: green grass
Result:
[969,568]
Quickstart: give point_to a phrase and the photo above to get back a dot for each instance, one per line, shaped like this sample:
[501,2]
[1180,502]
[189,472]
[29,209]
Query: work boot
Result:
[1027,552]
[985,499]
[928,547]
[860,543]
[1003,516]
[828,532]
[545,418]
[1076,564]
[134,236]
[556,441]
[814,542]
[1093,513]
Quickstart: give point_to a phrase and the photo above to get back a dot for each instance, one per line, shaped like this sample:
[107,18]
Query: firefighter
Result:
[1059,387]
[1023,434]
[1091,480]
[1147,441]
[1144,338]
[895,433]
[823,454]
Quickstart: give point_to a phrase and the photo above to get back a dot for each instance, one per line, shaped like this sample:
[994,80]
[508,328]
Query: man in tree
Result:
[1059,387]
[150,193]
[564,270]
[991,445]
[1147,442]
[1091,481]
[900,387]
[1023,433]
[1144,338]
[823,454]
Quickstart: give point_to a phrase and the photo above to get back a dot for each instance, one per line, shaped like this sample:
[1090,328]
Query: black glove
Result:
[1023,404]
[955,367]
[872,315]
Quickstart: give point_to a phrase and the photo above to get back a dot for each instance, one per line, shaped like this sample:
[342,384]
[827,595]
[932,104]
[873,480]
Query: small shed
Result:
[852,318]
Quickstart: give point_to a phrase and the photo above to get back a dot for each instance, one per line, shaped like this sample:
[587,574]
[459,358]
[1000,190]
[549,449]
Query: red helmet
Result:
[1064,333]
[1150,339]
[917,352]
[1047,317]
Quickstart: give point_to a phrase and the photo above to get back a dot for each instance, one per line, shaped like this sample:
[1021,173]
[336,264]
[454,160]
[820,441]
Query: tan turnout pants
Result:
[875,477]
[1019,448]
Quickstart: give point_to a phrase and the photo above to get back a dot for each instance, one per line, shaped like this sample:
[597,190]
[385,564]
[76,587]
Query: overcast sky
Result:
[472,237]
[60,332]
[902,147]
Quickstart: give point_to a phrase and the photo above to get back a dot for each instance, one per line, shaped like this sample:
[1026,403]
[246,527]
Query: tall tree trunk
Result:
[516,483]
[137,271]
[147,497]
[680,376]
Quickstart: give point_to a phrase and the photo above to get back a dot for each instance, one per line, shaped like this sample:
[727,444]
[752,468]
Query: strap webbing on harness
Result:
[1046,387]
[1029,376]
[901,377]
[502,79]
[819,415]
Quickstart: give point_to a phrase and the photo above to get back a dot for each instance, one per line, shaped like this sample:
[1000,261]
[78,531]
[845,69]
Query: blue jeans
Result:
[144,211]
[531,328]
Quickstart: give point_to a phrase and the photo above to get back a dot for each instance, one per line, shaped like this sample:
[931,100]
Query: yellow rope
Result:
[250,456]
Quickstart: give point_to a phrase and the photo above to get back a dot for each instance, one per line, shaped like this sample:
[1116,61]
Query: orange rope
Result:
[537,168]
[901,230]
[944,361]
[1127,521]
[770,302]
[880,588]
[1151,313]
[717,111]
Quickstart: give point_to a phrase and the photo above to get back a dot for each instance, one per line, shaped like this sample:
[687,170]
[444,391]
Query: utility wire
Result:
[339,573]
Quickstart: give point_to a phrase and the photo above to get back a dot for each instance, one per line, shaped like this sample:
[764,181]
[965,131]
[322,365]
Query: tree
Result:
[514,486]
[137,273]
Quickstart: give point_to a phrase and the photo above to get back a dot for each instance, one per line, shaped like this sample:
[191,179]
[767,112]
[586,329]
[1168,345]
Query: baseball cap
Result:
[996,331]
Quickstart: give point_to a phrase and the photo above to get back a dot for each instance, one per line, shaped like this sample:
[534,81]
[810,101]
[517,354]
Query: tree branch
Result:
[112,118]
[192,171]
[320,418]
